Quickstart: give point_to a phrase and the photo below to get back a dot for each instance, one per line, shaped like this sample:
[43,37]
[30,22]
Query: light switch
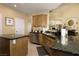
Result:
[14,41]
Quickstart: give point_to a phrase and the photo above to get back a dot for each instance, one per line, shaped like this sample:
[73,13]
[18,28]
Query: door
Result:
[19,26]
[0,24]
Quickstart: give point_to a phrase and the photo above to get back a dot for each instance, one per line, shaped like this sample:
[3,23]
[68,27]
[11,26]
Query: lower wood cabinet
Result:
[19,47]
[47,41]
[13,47]
[4,47]
[48,50]
[40,38]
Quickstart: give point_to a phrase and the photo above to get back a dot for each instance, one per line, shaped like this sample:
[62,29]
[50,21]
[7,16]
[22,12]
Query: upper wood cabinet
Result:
[34,21]
[39,20]
[44,20]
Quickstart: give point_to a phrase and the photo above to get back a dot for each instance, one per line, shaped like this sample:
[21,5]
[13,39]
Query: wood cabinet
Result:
[20,48]
[35,21]
[4,47]
[40,38]
[13,47]
[43,20]
[46,42]
[39,21]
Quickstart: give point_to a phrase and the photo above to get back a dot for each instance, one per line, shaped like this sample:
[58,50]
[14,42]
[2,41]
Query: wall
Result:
[28,24]
[8,12]
[66,12]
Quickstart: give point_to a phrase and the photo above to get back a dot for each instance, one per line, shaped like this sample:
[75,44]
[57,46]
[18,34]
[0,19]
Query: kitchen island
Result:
[13,45]
[56,48]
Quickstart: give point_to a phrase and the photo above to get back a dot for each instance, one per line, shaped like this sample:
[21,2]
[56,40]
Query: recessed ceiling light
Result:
[15,5]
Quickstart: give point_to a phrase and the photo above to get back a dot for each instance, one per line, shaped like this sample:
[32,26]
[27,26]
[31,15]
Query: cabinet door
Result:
[44,20]
[19,48]
[35,21]
[43,40]
[39,20]
[4,47]
[40,38]
[50,42]
[47,41]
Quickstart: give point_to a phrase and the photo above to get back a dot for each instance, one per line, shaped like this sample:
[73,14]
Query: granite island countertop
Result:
[12,36]
[72,45]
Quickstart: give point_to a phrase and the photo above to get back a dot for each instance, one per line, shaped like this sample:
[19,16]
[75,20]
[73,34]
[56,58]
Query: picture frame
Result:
[9,21]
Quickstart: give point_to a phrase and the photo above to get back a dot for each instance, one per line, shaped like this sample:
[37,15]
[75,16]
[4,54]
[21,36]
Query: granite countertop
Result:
[71,46]
[50,35]
[12,36]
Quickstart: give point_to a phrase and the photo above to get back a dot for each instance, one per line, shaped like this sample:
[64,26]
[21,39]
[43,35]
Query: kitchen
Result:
[41,29]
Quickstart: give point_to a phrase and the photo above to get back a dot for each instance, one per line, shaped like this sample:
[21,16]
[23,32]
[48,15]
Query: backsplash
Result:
[39,29]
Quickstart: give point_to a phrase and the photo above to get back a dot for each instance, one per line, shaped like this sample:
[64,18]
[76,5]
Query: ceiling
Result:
[30,8]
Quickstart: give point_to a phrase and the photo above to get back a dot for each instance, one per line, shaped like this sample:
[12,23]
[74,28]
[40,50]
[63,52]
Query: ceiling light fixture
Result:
[15,5]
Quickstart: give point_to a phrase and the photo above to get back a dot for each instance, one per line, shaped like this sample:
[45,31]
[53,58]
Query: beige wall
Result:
[28,24]
[8,12]
[66,12]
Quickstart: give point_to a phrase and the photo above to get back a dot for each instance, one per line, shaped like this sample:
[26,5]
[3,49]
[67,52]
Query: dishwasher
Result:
[34,37]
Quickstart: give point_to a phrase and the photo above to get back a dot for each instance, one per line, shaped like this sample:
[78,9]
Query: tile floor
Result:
[32,51]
